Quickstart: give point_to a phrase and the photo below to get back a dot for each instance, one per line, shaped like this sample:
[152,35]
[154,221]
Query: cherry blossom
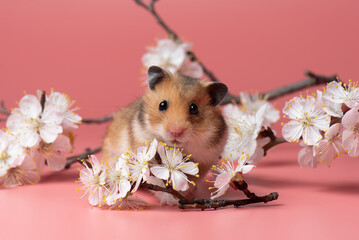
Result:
[306,157]
[308,119]
[166,199]
[243,130]
[11,153]
[139,162]
[172,56]
[63,104]
[25,173]
[332,108]
[259,152]
[350,123]
[252,103]
[130,202]
[118,180]
[337,92]
[174,167]
[227,172]
[53,153]
[29,122]
[331,146]
[94,178]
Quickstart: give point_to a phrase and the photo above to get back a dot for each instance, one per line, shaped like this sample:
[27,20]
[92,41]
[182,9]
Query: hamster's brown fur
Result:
[203,134]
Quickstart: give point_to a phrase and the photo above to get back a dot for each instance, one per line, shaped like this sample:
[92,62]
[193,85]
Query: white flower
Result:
[308,118]
[94,180]
[243,130]
[191,69]
[331,146]
[350,123]
[338,92]
[332,108]
[53,153]
[166,199]
[252,103]
[306,157]
[259,152]
[168,55]
[11,153]
[130,202]
[139,162]
[29,122]
[172,56]
[63,104]
[227,172]
[25,173]
[174,167]
[118,180]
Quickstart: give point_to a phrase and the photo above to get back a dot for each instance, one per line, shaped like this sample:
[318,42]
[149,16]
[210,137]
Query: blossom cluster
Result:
[327,123]
[245,123]
[113,182]
[39,131]
[245,142]
[173,57]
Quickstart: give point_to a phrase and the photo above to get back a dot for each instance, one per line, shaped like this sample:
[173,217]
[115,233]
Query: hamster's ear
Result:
[155,76]
[217,91]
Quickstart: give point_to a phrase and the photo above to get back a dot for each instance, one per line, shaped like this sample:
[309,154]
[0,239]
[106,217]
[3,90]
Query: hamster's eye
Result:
[163,106]
[193,109]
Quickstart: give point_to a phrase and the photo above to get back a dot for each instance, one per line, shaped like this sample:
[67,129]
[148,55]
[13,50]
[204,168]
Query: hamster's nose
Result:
[176,132]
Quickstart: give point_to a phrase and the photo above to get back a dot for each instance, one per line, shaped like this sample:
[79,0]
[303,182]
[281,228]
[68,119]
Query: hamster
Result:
[177,110]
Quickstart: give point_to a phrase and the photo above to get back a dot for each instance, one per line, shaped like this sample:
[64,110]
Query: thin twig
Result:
[97,120]
[3,109]
[151,8]
[312,81]
[274,140]
[214,204]
[163,189]
[71,160]
[277,141]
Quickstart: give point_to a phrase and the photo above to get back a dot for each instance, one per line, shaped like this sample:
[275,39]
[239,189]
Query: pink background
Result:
[91,50]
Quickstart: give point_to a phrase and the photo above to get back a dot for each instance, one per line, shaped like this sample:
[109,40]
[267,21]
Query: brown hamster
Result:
[176,110]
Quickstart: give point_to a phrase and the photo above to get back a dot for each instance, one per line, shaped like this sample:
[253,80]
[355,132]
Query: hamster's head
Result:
[182,110]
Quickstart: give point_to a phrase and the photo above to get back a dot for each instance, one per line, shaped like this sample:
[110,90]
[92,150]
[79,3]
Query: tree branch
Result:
[274,140]
[97,120]
[163,189]
[3,109]
[214,204]
[71,160]
[312,81]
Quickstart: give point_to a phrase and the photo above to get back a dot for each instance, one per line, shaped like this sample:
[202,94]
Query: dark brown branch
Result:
[240,185]
[163,189]
[313,80]
[214,204]
[3,109]
[97,120]
[274,141]
[76,158]
[277,141]
[151,8]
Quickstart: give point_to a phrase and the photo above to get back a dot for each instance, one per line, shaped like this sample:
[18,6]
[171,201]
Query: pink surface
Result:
[91,49]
